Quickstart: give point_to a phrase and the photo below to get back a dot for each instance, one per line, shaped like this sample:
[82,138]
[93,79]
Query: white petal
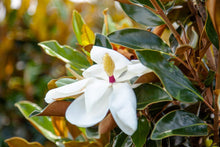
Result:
[96,71]
[76,113]
[66,91]
[97,93]
[135,69]
[123,107]
[97,53]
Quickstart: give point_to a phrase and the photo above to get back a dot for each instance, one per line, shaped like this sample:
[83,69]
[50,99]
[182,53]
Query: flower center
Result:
[109,67]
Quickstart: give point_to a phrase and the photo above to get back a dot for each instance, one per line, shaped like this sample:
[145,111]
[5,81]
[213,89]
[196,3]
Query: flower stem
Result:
[216,106]
[167,21]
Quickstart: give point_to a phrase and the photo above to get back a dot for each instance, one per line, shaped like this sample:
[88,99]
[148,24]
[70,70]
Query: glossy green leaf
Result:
[142,15]
[139,39]
[211,32]
[103,41]
[148,94]
[41,123]
[140,136]
[143,2]
[64,81]
[171,77]
[153,143]
[77,26]
[179,123]
[147,2]
[66,54]
[122,140]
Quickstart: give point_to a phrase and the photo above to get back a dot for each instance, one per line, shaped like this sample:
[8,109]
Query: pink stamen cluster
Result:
[112,79]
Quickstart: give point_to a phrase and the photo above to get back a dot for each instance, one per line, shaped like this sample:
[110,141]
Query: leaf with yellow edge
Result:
[42,123]
[20,142]
[77,25]
[87,37]
[59,125]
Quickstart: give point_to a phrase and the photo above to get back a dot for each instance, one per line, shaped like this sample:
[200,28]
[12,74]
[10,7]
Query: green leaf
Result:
[103,41]
[66,54]
[140,136]
[142,15]
[148,94]
[211,32]
[62,9]
[139,39]
[143,2]
[64,81]
[111,26]
[171,77]
[122,140]
[153,143]
[92,132]
[179,123]
[41,123]
[147,2]
[209,79]
[77,26]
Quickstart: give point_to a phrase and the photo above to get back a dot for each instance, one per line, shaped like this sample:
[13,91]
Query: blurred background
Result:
[25,69]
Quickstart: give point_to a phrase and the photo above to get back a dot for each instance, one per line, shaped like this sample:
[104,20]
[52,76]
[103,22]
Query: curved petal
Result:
[123,107]
[97,53]
[76,113]
[134,69]
[96,71]
[66,91]
[97,93]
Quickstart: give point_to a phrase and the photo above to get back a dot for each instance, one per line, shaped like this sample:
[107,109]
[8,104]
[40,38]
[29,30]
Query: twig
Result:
[167,21]
[210,107]
[181,61]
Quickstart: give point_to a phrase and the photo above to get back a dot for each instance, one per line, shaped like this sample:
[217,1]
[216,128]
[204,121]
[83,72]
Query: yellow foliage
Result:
[59,125]
[20,142]
[88,37]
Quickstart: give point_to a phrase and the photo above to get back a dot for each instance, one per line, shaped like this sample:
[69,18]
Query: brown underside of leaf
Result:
[20,142]
[182,49]
[57,108]
[159,29]
[107,124]
[74,130]
[214,11]
[104,139]
[147,78]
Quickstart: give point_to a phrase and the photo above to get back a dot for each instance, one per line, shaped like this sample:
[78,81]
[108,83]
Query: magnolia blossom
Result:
[106,86]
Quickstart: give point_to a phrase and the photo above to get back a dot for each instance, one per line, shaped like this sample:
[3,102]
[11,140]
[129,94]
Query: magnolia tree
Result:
[157,85]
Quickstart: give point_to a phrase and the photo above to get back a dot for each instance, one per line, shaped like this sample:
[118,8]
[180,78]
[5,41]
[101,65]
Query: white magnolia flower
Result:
[106,86]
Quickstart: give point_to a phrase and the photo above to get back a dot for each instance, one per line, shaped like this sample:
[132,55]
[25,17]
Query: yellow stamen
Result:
[109,64]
